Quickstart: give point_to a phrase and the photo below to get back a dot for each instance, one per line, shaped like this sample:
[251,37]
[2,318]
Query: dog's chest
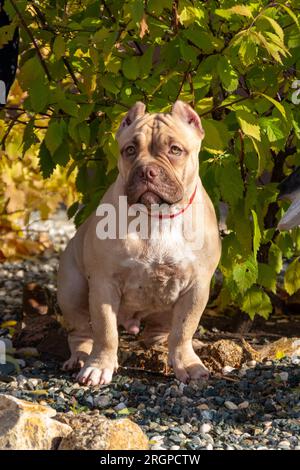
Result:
[155,277]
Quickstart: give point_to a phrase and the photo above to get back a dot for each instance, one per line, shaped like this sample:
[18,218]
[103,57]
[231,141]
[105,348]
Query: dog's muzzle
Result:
[153,184]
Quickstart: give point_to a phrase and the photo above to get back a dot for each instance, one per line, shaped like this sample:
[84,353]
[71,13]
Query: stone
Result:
[252,363]
[102,401]
[120,406]
[230,405]
[284,445]
[205,428]
[243,405]
[29,426]
[284,376]
[91,431]
[227,370]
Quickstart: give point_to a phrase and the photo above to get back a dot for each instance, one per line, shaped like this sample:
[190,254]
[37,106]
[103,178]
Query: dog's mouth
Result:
[164,189]
[149,197]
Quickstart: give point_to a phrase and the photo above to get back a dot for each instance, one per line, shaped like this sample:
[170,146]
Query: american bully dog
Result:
[158,276]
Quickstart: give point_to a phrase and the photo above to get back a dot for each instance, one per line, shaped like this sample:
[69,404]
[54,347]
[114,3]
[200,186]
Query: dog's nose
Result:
[148,172]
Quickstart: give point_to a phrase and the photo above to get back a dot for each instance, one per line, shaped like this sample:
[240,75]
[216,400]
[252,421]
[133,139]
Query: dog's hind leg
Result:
[157,329]
[72,298]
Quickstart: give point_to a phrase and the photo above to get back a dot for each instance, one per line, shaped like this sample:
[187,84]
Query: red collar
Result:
[172,216]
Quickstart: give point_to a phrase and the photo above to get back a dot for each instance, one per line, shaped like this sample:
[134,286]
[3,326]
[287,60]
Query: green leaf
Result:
[290,13]
[29,137]
[216,135]
[231,183]
[248,124]
[228,75]
[275,258]
[7,32]
[275,103]
[46,163]
[256,233]
[73,209]
[241,10]
[59,47]
[39,95]
[292,277]
[256,301]
[69,107]
[146,61]
[248,51]
[31,72]
[272,128]
[54,136]
[61,155]
[267,276]
[245,274]
[84,133]
[190,14]
[130,68]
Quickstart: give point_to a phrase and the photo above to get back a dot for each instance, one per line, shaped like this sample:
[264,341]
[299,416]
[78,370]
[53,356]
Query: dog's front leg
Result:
[104,302]
[186,315]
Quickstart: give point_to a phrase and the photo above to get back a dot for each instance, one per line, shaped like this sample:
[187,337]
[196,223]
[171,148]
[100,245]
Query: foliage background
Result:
[84,63]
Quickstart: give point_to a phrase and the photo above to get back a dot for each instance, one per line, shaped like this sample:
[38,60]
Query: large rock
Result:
[28,426]
[91,431]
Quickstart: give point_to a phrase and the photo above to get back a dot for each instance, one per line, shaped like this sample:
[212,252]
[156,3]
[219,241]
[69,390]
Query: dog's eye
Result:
[130,151]
[175,150]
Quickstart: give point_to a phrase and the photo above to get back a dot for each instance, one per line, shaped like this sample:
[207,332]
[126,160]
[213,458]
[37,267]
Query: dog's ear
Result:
[137,111]
[188,115]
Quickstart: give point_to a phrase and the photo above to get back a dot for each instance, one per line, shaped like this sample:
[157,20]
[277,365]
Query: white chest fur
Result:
[158,269]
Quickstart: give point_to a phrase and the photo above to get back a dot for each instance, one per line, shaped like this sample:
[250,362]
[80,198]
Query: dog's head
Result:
[159,154]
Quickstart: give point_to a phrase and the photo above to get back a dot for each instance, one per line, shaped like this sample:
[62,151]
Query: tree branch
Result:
[23,22]
[45,25]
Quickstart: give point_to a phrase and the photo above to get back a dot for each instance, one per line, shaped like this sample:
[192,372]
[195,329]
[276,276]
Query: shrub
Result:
[83,64]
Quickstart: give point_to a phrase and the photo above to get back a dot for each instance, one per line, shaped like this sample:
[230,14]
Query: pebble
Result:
[284,444]
[90,400]
[102,401]
[251,363]
[209,447]
[243,405]
[284,376]
[33,382]
[21,363]
[120,406]
[227,370]
[21,380]
[230,405]
[205,428]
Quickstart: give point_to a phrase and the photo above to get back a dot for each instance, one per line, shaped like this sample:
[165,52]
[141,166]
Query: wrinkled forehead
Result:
[161,129]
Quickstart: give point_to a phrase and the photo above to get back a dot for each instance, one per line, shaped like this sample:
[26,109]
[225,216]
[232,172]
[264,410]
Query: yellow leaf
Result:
[279,355]
[248,124]
[276,26]
[8,323]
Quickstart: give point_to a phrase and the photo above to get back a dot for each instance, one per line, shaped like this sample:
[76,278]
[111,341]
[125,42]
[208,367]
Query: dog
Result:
[161,281]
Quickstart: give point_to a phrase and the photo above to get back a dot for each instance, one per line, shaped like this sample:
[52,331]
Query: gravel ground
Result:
[255,407]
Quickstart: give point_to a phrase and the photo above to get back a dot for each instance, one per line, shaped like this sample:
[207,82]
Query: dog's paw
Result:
[90,375]
[75,362]
[189,369]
